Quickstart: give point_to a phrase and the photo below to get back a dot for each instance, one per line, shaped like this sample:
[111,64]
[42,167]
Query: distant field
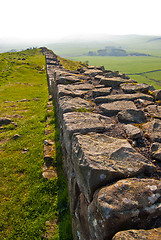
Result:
[129,65]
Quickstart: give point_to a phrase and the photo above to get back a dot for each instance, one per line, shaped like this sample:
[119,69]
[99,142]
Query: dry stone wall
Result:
[110,129]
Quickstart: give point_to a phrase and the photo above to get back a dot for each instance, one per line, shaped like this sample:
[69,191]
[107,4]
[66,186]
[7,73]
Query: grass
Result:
[70,65]
[27,200]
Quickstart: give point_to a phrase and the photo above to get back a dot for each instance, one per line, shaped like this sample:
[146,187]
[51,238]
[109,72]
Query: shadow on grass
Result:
[64,216]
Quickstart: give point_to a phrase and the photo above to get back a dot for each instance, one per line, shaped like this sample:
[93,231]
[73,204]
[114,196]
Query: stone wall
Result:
[110,129]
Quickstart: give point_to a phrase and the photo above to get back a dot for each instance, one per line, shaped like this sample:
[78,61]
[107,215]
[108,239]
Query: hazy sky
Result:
[56,19]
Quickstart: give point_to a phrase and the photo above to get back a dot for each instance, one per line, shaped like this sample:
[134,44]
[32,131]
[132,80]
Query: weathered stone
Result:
[144,103]
[83,122]
[124,76]
[111,109]
[23,100]
[49,173]
[132,116]
[93,72]
[25,150]
[5,121]
[132,131]
[152,234]
[81,219]
[113,82]
[96,67]
[157,94]
[99,86]
[99,159]
[151,88]
[68,104]
[16,136]
[51,62]
[132,203]
[156,151]
[154,111]
[157,155]
[77,90]
[101,92]
[67,80]
[126,97]
[153,130]
[132,88]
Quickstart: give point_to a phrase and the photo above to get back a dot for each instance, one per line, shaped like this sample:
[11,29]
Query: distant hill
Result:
[130,43]
[155,39]
[115,52]
[80,45]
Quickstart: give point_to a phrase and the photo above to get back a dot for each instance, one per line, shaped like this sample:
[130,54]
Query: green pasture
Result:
[27,200]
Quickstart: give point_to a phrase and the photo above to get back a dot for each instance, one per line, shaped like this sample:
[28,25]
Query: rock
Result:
[155,146]
[151,88]
[152,234]
[25,150]
[157,94]
[99,159]
[36,99]
[23,100]
[83,122]
[157,155]
[133,203]
[153,130]
[132,88]
[126,97]
[77,90]
[113,82]
[91,67]
[154,111]
[111,109]
[93,72]
[143,103]
[68,104]
[132,116]
[49,174]
[124,76]
[99,86]
[101,91]
[96,68]
[81,219]
[156,151]
[132,131]
[67,80]
[5,121]
[16,136]
[49,142]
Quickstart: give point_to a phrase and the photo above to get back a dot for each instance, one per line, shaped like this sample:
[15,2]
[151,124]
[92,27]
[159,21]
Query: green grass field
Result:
[27,200]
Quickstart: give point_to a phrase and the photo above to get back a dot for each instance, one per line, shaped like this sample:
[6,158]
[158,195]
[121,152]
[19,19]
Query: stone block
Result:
[132,116]
[121,97]
[132,88]
[99,159]
[152,234]
[153,130]
[111,109]
[132,203]
[83,122]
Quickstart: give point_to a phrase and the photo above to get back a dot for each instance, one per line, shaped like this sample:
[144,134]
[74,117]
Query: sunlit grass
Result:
[27,200]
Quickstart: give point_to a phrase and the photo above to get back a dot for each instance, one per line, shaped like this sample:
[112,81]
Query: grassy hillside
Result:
[29,204]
